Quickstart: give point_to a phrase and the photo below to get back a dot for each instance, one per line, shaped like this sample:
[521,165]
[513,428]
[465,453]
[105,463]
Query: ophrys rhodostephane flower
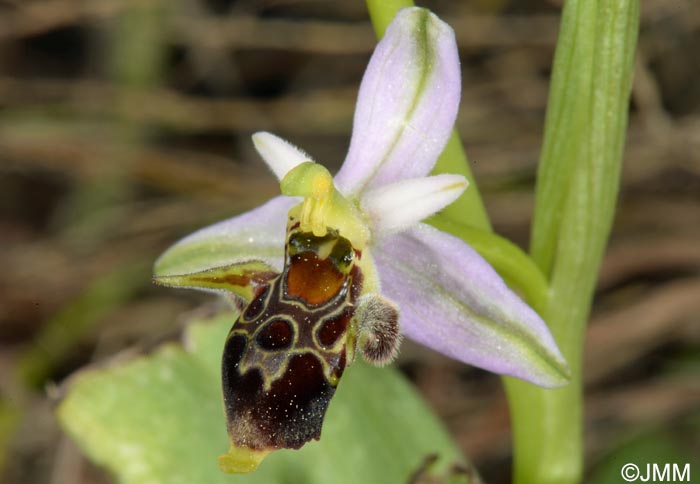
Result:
[335,267]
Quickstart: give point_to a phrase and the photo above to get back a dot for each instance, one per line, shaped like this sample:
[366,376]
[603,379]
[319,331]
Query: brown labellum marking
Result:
[338,368]
[286,416]
[276,335]
[330,330]
[313,280]
[234,350]
[257,305]
[285,356]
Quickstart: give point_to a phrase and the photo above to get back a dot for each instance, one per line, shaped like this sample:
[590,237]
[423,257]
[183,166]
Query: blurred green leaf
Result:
[10,415]
[659,447]
[159,419]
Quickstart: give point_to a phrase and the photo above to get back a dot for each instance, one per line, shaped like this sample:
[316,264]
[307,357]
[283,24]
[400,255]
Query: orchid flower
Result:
[387,270]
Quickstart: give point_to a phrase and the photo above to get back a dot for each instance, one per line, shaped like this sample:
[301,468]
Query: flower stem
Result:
[577,187]
[382,12]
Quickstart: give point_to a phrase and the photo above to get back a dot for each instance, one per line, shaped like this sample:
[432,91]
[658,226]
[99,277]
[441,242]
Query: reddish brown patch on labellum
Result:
[332,329]
[276,335]
[257,305]
[314,280]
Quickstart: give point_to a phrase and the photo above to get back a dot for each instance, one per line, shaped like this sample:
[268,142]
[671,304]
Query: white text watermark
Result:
[656,472]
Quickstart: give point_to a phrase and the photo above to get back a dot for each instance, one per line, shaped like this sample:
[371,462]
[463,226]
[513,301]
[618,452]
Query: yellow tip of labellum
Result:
[240,460]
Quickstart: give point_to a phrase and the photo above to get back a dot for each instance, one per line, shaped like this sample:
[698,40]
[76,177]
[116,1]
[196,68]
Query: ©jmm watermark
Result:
[656,472]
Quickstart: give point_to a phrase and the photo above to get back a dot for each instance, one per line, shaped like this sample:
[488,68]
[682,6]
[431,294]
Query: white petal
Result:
[280,155]
[395,207]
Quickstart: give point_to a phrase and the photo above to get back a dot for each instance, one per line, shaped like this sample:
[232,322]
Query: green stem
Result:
[577,187]
[382,12]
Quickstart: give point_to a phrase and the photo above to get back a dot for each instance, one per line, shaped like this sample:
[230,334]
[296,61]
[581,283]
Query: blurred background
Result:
[125,124]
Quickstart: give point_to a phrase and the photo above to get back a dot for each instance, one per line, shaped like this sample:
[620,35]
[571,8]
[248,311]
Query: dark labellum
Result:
[285,355]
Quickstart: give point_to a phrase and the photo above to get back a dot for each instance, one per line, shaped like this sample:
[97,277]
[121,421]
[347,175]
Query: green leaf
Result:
[662,447]
[160,419]
[10,417]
